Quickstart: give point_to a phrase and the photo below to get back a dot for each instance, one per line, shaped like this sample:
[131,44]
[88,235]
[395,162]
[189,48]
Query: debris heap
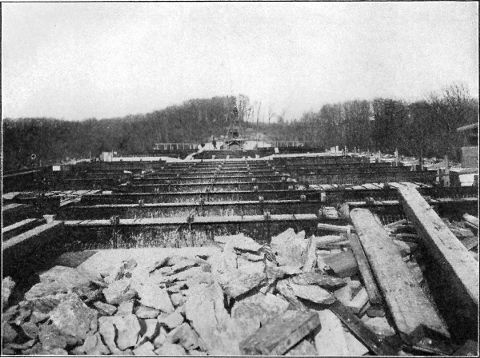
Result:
[296,296]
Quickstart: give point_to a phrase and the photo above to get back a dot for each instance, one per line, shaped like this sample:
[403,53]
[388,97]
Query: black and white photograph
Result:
[203,178]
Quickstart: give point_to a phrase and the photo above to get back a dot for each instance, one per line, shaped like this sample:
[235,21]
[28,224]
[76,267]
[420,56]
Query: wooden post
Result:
[459,266]
[413,313]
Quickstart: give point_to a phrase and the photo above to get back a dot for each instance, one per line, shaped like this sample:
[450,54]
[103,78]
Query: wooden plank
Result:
[414,315]
[458,265]
[374,295]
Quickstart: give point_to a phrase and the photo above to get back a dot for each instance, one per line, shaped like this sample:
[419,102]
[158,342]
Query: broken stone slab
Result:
[9,314]
[125,308]
[158,264]
[53,351]
[124,270]
[318,278]
[239,241]
[281,333]
[145,349]
[207,314]
[223,262]
[7,286]
[160,338]
[73,317]
[185,336]
[171,320]
[108,331]
[261,307]
[278,272]
[334,340]
[38,317]
[20,346]
[34,350]
[119,291]
[150,328]
[343,264]
[252,257]
[46,304]
[312,293]
[51,337]
[180,276]
[59,279]
[250,266]
[283,287]
[30,329]
[304,348]
[346,293]
[8,332]
[104,308]
[177,299]
[146,312]
[379,325]
[359,301]
[128,330]
[23,312]
[200,277]
[238,282]
[93,345]
[152,295]
[290,248]
[170,350]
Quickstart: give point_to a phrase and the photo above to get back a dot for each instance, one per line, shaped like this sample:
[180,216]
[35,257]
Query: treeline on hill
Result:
[425,128]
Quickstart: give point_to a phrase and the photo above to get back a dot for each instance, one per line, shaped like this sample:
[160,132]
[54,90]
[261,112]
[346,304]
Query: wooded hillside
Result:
[427,127]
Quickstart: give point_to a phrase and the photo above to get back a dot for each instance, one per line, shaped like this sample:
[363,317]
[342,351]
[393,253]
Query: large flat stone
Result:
[259,307]
[119,291]
[128,331]
[72,317]
[239,241]
[334,340]
[206,312]
[312,293]
[7,286]
[152,295]
[290,248]
[185,336]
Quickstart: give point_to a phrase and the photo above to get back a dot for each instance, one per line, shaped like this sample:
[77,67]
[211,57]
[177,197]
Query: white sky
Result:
[82,60]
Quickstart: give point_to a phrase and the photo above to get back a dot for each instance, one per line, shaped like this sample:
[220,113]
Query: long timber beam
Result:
[414,315]
[201,220]
[454,259]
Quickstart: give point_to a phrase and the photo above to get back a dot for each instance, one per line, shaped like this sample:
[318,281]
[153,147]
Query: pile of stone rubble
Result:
[245,299]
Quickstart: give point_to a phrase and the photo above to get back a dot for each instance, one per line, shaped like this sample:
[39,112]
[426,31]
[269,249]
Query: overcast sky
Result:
[84,60]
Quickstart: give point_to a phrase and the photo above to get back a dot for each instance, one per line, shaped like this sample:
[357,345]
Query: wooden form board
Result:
[413,314]
[232,219]
[456,262]
[30,235]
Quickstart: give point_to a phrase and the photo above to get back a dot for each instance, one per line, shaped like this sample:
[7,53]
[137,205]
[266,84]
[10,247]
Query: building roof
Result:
[467,127]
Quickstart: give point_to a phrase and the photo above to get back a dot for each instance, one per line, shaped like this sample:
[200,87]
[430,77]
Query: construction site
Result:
[279,251]
[240,178]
